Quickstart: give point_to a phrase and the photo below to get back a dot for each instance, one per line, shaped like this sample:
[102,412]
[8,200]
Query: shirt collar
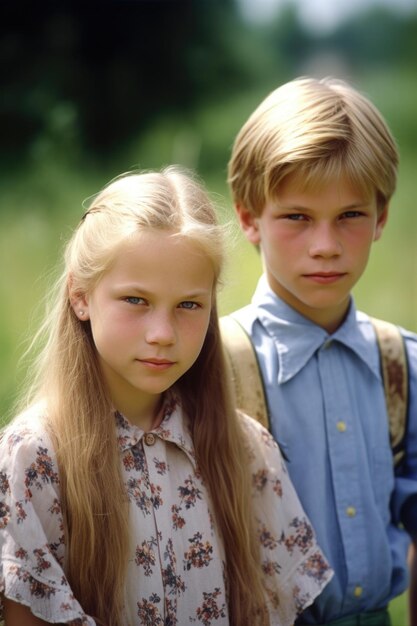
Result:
[173,428]
[296,338]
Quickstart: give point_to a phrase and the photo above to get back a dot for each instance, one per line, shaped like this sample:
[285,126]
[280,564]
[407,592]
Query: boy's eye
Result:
[134,300]
[188,304]
[349,214]
[295,217]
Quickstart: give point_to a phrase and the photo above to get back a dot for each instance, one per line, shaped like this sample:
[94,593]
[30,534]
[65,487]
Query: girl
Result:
[130,490]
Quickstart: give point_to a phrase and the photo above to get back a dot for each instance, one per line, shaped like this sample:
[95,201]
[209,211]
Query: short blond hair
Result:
[314,130]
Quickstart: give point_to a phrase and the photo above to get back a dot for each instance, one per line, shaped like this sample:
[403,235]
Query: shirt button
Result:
[341,426]
[149,439]
[358,591]
[327,344]
[351,511]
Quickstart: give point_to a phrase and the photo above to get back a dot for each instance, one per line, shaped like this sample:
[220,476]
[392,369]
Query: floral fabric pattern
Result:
[176,572]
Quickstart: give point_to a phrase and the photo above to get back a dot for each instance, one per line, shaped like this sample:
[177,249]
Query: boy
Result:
[312,172]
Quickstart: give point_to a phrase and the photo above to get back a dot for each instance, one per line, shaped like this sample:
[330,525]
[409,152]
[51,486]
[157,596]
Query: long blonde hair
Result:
[80,417]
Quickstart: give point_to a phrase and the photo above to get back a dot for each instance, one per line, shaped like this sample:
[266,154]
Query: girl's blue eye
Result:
[134,300]
[187,304]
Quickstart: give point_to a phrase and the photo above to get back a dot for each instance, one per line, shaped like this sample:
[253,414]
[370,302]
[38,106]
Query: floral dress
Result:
[176,572]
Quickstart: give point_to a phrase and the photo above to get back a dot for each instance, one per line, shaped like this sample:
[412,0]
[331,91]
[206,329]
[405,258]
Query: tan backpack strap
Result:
[395,375]
[244,368]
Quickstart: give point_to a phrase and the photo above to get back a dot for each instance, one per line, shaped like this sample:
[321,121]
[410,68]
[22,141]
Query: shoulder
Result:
[246,322]
[25,439]
[262,447]
[246,316]
[370,327]
[410,341]
[410,338]
[367,325]
[388,341]
[254,429]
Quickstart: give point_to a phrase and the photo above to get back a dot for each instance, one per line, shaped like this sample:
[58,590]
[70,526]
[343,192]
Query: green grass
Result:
[399,611]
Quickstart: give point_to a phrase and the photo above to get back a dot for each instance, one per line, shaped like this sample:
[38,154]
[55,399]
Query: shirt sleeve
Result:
[31,529]
[294,567]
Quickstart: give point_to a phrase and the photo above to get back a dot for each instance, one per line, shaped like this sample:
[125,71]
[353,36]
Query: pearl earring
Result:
[81,313]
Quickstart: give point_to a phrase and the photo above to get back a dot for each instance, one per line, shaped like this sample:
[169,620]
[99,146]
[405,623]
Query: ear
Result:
[380,223]
[249,224]
[78,301]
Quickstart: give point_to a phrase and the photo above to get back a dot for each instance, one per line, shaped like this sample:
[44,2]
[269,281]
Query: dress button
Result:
[358,591]
[341,426]
[351,511]
[149,439]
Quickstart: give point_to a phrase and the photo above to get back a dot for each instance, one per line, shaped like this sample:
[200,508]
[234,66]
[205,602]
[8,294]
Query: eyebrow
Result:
[354,205]
[130,287]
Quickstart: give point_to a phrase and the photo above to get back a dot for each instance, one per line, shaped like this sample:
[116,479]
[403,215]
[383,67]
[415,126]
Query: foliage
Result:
[87,76]
[86,79]
[378,37]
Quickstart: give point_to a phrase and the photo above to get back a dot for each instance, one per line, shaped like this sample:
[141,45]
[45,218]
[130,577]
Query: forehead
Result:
[341,189]
[160,259]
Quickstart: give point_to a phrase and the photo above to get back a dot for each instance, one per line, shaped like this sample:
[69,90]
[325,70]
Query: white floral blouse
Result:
[177,564]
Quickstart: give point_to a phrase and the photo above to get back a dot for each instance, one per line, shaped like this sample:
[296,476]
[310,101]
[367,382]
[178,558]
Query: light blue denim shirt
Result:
[328,413]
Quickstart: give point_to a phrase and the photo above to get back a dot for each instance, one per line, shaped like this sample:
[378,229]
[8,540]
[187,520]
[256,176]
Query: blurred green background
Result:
[92,89]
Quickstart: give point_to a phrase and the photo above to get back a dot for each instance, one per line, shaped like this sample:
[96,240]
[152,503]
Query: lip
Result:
[325,278]
[156,364]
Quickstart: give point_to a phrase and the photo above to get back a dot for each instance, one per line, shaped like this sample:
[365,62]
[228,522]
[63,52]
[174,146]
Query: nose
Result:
[325,242]
[160,329]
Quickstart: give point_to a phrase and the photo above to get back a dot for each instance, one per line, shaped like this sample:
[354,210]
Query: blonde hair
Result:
[81,421]
[315,130]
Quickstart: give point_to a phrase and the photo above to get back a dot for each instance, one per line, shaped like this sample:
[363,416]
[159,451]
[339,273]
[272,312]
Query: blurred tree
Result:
[98,71]
[290,40]
[87,77]
[378,37]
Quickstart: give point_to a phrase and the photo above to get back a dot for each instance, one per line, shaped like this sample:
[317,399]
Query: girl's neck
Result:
[146,417]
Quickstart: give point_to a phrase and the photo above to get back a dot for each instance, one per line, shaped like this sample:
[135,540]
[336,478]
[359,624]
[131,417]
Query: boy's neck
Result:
[328,318]
[331,324]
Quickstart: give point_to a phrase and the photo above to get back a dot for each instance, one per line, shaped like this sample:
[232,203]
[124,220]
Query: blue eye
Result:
[134,300]
[187,304]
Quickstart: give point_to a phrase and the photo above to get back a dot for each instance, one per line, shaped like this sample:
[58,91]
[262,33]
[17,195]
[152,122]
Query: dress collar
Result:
[297,338]
[172,428]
